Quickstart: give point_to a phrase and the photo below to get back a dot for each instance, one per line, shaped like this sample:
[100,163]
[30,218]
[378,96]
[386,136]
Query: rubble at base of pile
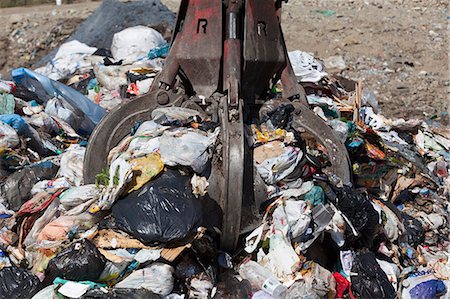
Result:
[149,226]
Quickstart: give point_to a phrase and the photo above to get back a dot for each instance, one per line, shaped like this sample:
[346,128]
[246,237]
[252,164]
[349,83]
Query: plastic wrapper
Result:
[424,285]
[200,287]
[358,209]
[392,272]
[16,283]
[161,51]
[279,118]
[7,86]
[173,115]
[157,278]
[113,270]
[17,123]
[281,259]
[78,262]
[49,185]
[414,233]
[340,128]
[121,170]
[144,169]
[164,210]
[315,196]
[292,217]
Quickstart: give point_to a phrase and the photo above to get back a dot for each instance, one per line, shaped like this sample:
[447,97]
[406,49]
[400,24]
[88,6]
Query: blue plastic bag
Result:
[159,52]
[427,290]
[46,89]
[17,122]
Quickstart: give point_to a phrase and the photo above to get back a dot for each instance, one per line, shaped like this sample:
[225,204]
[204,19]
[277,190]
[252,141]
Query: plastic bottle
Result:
[262,279]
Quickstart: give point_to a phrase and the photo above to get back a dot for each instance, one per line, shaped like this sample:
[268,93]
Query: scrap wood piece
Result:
[110,239]
[107,238]
[344,104]
[357,104]
[170,254]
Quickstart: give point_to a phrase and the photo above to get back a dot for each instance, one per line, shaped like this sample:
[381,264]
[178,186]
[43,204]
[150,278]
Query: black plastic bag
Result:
[414,233]
[78,262]
[16,190]
[163,210]
[17,283]
[229,287]
[357,207]
[121,294]
[281,117]
[371,281]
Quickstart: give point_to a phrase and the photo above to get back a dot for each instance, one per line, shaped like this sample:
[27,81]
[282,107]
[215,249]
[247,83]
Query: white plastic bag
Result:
[174,113]
[111,77]
[56,107]
[78,195]
[46,293]
[135,42]
[187,147]
[8,136]
[275,169]
[145,255]
[293,217]
[281,259]
[50,185]
[50,214]
[69,58]
[156,278]
[72,164]
[306,67]
[44,121]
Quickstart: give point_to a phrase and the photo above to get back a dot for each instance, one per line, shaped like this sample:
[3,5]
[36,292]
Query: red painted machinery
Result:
[224,58]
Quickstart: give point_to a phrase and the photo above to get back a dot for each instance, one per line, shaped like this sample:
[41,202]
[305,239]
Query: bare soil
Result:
[398,48]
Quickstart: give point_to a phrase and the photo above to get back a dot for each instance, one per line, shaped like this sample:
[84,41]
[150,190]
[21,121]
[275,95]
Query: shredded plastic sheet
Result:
[69,58]
[156,278]
[306,67]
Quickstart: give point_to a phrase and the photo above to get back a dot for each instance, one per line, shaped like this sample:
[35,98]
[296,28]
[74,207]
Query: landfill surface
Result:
[149,226]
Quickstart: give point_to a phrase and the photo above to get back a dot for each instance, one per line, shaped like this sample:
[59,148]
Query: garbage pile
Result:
[148,228]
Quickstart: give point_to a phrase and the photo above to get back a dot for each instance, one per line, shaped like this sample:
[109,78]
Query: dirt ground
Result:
[398,48]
